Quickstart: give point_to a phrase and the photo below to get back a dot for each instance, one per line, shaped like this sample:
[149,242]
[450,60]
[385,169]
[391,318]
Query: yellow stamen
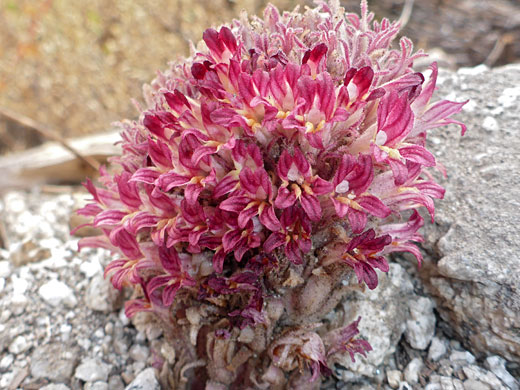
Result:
[297,190]
[392,153]
[349,202]
[282,114]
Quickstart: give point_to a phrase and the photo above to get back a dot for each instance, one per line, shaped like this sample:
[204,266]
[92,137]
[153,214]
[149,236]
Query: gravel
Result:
[62,326]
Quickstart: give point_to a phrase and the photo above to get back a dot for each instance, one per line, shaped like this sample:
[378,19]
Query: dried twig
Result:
[47,133]
[498,49]
[4,240]
[406,13]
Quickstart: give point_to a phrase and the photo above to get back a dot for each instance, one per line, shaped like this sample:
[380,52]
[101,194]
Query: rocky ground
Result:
[62,326]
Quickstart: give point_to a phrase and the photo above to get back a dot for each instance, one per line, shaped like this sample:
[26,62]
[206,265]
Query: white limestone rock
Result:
[474,246]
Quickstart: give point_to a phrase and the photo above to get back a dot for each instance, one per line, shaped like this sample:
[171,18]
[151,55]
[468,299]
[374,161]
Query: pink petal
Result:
[394,117]
[109,218]
[442,110]
[134,306]
[427,92]
[231,239]
[128,191]
[268,218]
[274,241]
[340,207]
[157,282]
[293,253]
[169,180]
[357,220]
[213,41]
[285,198]
[152,123]
[235,204]
[142,219]
[399,171]
[374,206]
[326,94]
[225,186]
[321,187]
[409,247]
[368,275]
[169,292]
[145,175]
[311,206]
[176,100]
[223,116]
[362,177]
[417,154]
[346,165]
[246,214]
[126,242]
[228,39]
[218,260]
[363,79]
[160,153]
[284,164]
[192,192]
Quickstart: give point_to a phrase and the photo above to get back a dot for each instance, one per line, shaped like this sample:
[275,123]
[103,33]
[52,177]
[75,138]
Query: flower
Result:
[342,339]
[298,349]
[363,254]
[284,155]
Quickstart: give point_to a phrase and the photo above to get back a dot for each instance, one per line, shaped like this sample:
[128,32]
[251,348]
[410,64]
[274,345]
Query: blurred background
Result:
[74,66]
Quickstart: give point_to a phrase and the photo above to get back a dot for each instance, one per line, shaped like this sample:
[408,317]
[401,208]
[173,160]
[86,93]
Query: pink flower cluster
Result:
[289,142]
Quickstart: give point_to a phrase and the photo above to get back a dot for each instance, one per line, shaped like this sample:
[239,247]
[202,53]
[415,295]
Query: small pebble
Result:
[53,386]
[497,365]
[20,285]
[478,374]
[471,384]
[394,378]
[18,304]
[145,380]
[96,386]
[54,362]
[448,383]
[405,386]
[99,333]
[465,356]
[91,268]
[85,344]
[65,330]
[437,349]
[490,124]
[420,328]
[115,383]
[6,361]
[101,295]
[56,293]
[139,352]
[92,370]
[5,268]
[411,372]
[123,318]
[19,345]
[109,328]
